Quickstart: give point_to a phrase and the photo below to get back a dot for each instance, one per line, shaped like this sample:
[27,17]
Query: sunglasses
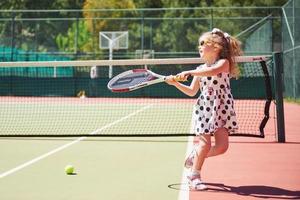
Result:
[209,43]
[204,42]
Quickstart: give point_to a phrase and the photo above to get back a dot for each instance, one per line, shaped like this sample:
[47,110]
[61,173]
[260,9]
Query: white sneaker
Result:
[195,183]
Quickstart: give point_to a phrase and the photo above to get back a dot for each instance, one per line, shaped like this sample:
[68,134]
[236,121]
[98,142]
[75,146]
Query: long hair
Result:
[229,47]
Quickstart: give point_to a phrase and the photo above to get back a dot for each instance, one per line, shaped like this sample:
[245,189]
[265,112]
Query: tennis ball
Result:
[69,169]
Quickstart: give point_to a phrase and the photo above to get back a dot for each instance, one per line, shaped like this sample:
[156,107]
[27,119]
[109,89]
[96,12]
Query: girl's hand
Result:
[183,76]
[170,80]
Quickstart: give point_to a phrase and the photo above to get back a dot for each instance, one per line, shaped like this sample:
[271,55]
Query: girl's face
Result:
[207,48]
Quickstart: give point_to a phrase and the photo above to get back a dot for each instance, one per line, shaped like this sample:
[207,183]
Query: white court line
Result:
[184,193]
[71,143]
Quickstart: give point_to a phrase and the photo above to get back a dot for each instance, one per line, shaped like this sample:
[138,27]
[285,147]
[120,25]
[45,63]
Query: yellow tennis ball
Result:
[69,169]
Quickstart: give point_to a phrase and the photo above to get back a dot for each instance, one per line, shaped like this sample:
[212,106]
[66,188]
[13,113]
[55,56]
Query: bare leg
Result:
[221,143]
[204,146]
[202,151]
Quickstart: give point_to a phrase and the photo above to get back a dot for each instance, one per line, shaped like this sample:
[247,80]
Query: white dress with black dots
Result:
[214,108]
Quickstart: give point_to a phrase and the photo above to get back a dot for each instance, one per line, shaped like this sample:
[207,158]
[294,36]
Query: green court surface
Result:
[72,116]
[106,168]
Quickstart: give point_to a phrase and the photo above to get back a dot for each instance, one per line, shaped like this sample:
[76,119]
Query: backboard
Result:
[117,39]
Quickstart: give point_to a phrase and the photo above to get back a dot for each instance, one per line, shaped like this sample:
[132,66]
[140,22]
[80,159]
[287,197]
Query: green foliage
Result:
[34,5]
[169,32]
[76,39]
[147,4]
[96,22]
[292,100]
[98,25]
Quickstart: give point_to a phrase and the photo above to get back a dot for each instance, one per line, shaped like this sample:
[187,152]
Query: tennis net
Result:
[70,98]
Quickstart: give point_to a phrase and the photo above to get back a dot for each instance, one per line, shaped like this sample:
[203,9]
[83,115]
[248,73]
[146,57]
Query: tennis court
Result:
[105,167]
[140,167]
[57,107]
[256,169]
[130,146]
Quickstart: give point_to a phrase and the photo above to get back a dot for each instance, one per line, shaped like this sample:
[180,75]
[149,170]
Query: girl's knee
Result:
[203,145]
[222,148]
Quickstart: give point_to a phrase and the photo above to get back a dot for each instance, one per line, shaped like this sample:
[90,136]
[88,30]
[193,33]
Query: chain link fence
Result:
[291,48]
[74,34]
[32,35]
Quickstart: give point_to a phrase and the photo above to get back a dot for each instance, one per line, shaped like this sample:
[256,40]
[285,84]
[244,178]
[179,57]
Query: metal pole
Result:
[142,32]
[151,35]
[294,56]
[54,72]
[12,41]
[76,37]
[211,18]
[110,72]
[278,71]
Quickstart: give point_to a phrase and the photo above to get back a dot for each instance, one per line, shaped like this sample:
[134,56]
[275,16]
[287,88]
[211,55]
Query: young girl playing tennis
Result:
[213,112]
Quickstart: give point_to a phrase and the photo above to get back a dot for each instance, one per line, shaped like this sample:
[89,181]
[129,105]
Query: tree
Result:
[101,16]
[175,33]
[164,30]
[35,35]
[76,39]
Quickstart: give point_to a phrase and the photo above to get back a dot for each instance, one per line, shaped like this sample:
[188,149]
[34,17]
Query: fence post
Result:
[278,78]
[76,37]
[142,30]
[12,41]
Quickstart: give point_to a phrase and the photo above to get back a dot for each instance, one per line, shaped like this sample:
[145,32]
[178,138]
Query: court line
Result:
[184,192]
[26,164]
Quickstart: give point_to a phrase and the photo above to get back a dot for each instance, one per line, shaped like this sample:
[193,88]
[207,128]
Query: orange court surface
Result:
[252,168]
[256,169]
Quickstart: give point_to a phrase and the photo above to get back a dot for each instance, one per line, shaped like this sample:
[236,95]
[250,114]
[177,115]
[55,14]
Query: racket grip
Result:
[176,78]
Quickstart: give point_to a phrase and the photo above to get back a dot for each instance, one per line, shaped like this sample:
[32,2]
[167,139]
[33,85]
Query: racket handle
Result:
[176,78]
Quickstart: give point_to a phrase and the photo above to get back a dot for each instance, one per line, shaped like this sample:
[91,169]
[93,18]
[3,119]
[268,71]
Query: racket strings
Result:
[131,80]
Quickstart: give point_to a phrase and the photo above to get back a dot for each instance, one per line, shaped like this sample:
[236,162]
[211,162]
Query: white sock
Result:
[195,173]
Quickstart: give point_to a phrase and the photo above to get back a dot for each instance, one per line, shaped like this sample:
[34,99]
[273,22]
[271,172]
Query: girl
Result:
[214,112]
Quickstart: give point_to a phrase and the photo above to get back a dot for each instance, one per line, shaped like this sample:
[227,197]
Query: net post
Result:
[278,71]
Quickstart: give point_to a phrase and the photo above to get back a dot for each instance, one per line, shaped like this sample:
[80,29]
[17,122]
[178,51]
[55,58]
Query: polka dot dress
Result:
[214,108]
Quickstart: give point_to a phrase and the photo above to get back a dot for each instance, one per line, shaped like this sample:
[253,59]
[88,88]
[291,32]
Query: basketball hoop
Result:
[113,40]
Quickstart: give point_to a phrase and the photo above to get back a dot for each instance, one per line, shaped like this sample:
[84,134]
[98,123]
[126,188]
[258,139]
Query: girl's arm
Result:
[221,66]
[190,90]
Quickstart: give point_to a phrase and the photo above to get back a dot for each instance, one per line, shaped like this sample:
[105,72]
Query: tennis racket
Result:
[133,80]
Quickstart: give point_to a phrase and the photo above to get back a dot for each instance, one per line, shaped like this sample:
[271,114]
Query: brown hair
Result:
[229,48]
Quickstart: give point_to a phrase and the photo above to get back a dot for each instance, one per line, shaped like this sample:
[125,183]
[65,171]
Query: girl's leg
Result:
[204,147]
[194,177]
[221,143]
[206,150]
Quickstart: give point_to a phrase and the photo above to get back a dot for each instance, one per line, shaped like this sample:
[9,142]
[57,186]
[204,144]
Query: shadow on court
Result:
[257,191]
